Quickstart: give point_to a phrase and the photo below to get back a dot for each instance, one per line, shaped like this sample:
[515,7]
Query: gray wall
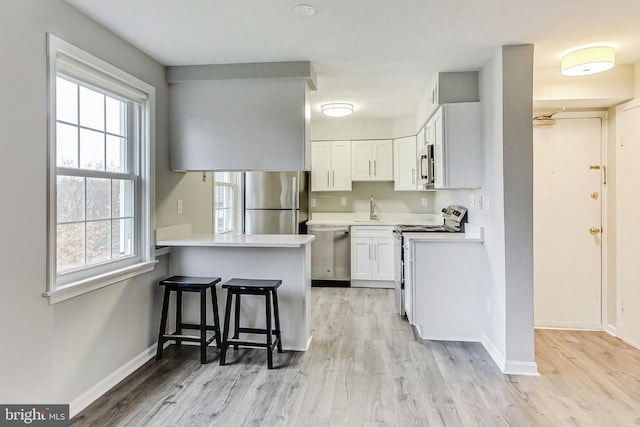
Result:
[250,124]
[517,162]
[54,353]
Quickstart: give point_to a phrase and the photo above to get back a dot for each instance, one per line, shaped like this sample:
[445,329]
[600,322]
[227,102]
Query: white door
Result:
[382,156]
[628,215]
[320,166]
[341,165]
[361,164]
[383,259]
[566,224]
[361,256]
[405,163]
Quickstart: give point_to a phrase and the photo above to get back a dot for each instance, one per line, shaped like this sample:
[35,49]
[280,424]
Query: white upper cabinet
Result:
[330,166]
[372,160]
[405,167]
[458,148]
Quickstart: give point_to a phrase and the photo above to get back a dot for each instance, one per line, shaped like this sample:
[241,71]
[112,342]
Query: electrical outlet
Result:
[343,201]
[425,201]
[479,202]
[313,203]
[204,177]
[179,206]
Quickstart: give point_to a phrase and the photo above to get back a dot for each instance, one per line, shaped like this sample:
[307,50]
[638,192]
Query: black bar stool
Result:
[239,287]
[180,284]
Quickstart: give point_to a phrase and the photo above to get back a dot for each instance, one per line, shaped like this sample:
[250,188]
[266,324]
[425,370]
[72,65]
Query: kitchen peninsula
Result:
[284,257]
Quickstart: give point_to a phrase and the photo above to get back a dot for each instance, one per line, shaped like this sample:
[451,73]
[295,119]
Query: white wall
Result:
[54,353]
[506,93]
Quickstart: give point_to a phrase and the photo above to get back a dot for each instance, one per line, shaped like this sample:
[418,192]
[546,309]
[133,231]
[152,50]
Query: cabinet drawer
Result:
[372,231]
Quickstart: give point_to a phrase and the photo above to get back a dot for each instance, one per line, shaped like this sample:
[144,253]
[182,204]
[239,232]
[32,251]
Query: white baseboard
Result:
[91,395]
[611,330]
[632,343]
[521,368]
[509,367]
[494,352]
[578,326]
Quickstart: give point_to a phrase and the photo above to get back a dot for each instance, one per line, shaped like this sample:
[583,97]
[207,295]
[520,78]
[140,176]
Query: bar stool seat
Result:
[266,288]
[180,284]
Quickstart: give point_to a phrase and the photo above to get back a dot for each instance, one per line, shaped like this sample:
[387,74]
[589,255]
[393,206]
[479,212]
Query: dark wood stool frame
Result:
[239,287]
[180,284]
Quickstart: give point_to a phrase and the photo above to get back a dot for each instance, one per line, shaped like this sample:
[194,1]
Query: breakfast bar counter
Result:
[259,256]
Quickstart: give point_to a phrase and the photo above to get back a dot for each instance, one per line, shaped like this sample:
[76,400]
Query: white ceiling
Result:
[376,54]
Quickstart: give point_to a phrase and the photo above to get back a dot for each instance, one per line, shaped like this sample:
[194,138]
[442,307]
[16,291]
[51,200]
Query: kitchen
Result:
[72,324]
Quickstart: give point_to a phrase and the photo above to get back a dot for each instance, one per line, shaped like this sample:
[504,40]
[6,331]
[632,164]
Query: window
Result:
[225,202]
[99,173]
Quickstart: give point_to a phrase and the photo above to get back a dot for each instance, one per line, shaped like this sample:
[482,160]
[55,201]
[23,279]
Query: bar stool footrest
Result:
[243,343]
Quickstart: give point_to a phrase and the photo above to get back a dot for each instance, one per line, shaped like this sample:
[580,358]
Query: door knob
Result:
[594,230]
[594,195]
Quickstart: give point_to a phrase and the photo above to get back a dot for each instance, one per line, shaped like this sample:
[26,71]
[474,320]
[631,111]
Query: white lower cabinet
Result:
[444,290]
[372,256]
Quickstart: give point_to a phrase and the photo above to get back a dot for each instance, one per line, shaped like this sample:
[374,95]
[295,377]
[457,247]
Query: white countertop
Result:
[241,240]
[362,218]
[472,233]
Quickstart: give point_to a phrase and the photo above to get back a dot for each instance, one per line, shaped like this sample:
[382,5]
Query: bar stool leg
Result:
[269,342]
[216,317]
[178,315]
[203,326]
[163,323]
[276,314]
[225,336]
[236,326]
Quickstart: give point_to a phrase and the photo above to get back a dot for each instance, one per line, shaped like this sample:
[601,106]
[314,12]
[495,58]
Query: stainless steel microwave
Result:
[427,167]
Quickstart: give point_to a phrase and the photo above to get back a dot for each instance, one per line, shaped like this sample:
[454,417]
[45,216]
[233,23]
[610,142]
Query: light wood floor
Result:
[364,368]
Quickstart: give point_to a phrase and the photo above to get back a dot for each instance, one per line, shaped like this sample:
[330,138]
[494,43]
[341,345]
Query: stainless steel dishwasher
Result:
[330,255]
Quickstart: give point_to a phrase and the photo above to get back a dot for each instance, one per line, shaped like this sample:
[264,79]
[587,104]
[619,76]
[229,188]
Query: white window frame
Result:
[235,184]
[64,58]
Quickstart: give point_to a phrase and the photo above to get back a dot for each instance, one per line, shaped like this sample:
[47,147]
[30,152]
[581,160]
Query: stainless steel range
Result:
[454,219]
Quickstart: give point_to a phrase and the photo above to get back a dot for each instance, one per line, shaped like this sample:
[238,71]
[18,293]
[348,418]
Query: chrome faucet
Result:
[372,204]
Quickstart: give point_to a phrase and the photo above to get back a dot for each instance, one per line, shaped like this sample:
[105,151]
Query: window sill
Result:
[84,286]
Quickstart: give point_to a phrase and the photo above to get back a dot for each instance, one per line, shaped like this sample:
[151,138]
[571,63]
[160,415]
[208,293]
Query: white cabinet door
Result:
[372,160]
[438,150]
[320,166]
[409,290]
[457,139]
[341,165]
[405,164]
[361,256]
[382,157]
[382,259]
[330,166]
[361,162]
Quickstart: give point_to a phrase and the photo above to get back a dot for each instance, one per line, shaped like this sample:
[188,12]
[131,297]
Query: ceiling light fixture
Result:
[337,110]
[588,60]
[304,10]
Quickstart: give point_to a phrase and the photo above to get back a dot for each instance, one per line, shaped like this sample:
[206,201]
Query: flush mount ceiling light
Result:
[589,60]
[304,10]
[337,110]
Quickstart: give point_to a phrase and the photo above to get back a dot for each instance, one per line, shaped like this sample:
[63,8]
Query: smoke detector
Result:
[304,10]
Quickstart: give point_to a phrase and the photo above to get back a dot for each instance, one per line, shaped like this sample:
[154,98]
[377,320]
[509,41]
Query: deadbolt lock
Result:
[594,230]
[595,195]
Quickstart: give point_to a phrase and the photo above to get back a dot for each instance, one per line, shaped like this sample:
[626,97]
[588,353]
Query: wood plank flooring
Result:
[364,368]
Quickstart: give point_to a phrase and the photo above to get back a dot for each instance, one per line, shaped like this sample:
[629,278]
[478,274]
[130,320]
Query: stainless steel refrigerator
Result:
[276,202]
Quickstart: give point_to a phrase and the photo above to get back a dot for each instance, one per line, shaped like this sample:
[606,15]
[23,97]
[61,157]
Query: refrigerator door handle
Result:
[294,205]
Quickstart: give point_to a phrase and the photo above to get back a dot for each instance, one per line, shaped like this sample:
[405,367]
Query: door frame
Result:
[603,115]
[618,330]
